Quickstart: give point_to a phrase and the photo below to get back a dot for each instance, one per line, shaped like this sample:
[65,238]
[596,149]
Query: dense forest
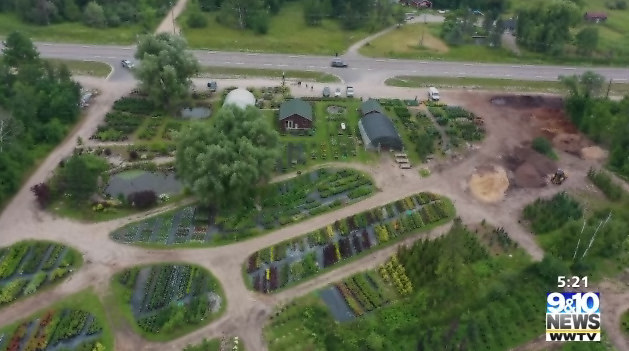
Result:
[94,13]
[38,105]
[461,295]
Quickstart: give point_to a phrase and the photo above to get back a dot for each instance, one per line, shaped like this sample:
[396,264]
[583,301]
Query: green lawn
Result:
[231,72]
[624,322]
[84,68]
[489,84]
[85,300]
[287,34]
[69,32]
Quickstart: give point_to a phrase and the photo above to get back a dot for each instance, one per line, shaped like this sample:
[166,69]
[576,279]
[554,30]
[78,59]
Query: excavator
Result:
[559,177]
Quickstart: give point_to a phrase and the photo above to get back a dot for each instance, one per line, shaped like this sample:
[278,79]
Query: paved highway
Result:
[358,66]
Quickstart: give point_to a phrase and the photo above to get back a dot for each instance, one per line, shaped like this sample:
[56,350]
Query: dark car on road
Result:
[213,86]
[339,63]
[326,92]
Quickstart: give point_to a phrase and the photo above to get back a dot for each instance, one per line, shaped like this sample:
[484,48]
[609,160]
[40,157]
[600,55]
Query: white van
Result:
[433,94]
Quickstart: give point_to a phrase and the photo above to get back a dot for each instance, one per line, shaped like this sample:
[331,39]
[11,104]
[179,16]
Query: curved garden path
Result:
[246,311]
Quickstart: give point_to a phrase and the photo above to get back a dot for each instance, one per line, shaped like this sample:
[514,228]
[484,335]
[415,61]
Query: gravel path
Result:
[246,311]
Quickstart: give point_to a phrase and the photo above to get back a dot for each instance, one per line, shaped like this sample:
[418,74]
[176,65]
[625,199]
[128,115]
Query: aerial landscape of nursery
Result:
[338,201]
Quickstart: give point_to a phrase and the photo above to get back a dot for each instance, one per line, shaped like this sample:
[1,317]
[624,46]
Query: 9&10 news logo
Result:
[572,316]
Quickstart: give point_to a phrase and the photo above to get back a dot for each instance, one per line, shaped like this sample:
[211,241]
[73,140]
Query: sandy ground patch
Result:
[593,153]
[489,184]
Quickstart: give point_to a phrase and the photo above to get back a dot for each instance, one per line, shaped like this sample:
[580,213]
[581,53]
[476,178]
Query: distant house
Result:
[418,4]
[509,25]
[378,132]
[295,114]
[370,106]
[595,17]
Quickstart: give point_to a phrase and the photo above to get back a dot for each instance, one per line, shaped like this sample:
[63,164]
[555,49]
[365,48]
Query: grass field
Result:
[287,34]
[489,84]
[84,68]
[69,32]
[231,72]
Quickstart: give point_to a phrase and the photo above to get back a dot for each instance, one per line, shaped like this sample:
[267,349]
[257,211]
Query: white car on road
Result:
[337,92]
[127,64]
[349,92]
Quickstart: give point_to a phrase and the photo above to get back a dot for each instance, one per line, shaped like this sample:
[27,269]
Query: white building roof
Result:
[241,98]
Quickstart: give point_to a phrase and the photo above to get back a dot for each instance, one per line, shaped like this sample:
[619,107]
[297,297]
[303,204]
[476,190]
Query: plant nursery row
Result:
[460,125]
[280,204]
[28,266]
[67,329]
[293,260]
[167,298]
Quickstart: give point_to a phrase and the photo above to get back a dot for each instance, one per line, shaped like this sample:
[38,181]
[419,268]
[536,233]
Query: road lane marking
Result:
[324,67]
[379,60]
[569,68]
[369,69]
[354,68]
[294,56]
[467,64]
[462,74]
[252,54]
[211,52]
[268,64]
[87,47]
[47,44]
[414,71]
[445,72]
[97,56]
[508,75]
[538,76]
[282,65]
[240,63]
[423,62]
[227,62]
[516,66]
[311,67]
[110,57]
[619,80]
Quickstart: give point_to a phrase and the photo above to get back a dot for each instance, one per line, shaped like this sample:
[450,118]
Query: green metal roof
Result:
[371,105]
[296,107]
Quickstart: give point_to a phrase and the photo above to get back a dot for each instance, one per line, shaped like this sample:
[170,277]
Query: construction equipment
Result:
[559,177]
[479,120]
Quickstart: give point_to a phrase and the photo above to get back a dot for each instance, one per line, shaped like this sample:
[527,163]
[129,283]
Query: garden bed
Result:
[166,301]
[29,266]
[76,323]
[459,124]
[294,260]
[281,204]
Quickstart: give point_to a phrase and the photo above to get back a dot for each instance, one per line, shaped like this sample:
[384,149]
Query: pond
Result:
[130,181]
[196,112]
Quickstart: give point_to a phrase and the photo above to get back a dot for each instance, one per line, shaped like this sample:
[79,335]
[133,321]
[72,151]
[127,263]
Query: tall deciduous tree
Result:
[10,128]
[545,26]
[587,85]
[94,15]
[165,68]
[80,177]
[224,162]
[19,50]
[587,40]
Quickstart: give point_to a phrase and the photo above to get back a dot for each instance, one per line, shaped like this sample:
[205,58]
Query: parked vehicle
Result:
[339,63]
[127,64]
[213,86]
[326,92]
[337,92]
[433,94]
[349,92]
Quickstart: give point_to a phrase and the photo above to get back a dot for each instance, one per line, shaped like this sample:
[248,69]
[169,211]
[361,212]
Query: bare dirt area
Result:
[509,129]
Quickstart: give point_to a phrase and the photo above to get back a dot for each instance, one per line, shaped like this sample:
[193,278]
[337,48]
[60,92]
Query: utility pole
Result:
[609,87]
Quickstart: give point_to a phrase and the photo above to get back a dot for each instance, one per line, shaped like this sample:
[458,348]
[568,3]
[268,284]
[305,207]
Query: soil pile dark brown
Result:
[527,101]
[571,143]
[529,166]
[526,176]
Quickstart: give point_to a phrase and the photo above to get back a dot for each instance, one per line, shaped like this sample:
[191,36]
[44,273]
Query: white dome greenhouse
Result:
[241,98]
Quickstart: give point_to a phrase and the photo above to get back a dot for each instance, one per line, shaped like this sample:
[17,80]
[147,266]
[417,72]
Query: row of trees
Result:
[459,26]
[96,13]
[38,104]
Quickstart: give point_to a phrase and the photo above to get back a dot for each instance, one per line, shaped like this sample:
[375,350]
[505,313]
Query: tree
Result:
[196,19]
[19,50]
[313,12]
[71,11]
[587,40]
[224,162]
[142,199]
[399,15]
[587,85]
[545,26]
[10,128]
[79,177]
[542,145]
[94,15]
[166,68]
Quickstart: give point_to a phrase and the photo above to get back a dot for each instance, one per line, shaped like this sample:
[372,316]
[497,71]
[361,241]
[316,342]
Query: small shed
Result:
[295,114]
[378,132]
[595,17]
[370,106]
[508,25]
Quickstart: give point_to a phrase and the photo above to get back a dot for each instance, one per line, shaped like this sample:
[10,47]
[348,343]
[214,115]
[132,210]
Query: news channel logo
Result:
[572,316]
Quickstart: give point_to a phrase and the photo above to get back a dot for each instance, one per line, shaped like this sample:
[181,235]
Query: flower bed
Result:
[331,244]
[168,299]
[118,126]
[66,328]
[281,204]
[28,266]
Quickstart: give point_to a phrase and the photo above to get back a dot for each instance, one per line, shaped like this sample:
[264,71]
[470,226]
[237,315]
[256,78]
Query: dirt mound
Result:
[527,101]
[526,176]
[521,155]
[553,121]
[593,153]
[571,143]
[489,183]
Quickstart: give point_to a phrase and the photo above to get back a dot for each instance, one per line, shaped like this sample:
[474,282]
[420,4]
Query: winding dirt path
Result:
[169,23]
[246,311]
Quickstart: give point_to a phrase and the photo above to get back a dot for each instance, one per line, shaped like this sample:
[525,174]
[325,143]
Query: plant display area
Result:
[459,124]
[166,301]
[291,261]
[28,266]
[419,277]
[75,323]
[281,203]
[334,136]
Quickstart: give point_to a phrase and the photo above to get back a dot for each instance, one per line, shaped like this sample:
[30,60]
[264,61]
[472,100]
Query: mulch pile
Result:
[530,168]
[528,101]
